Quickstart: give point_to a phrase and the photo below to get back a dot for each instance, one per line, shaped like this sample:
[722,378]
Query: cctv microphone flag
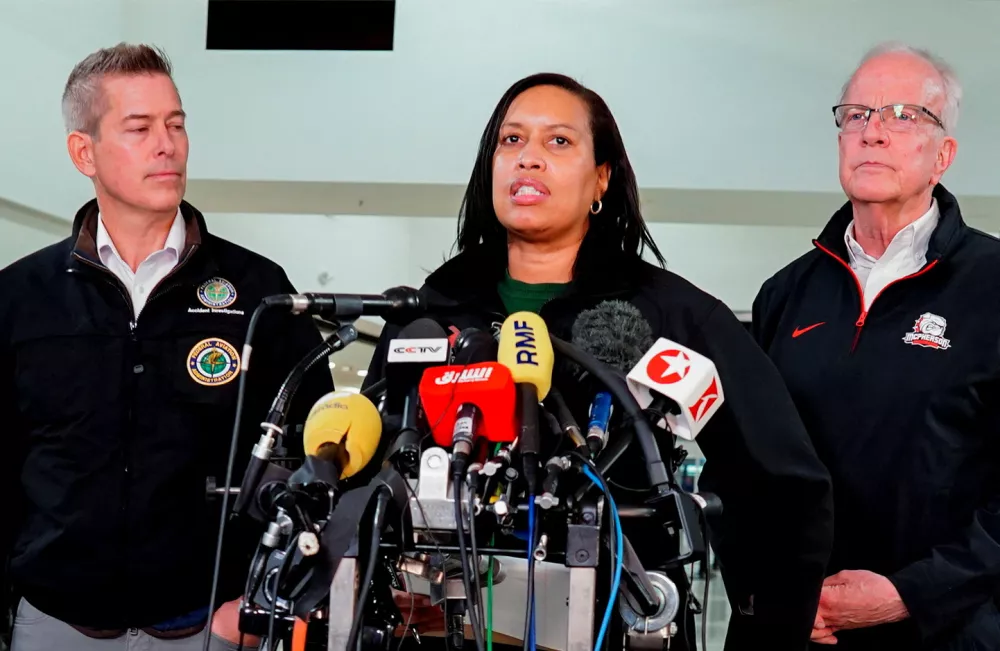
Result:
[421,344]
[687,378]
[488,385]
[417,351]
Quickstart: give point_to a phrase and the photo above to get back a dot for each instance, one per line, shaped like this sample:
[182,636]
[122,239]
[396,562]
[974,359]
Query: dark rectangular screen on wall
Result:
[300,24]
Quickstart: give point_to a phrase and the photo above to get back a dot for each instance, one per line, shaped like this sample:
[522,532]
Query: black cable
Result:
[475,551]
[259,559]
[241,396]
[239,647]
[658,475]
[337,341]
[374,390]
[684,608]
[381,504]
[274,592]
[708,577]
[704,614]
[464,556]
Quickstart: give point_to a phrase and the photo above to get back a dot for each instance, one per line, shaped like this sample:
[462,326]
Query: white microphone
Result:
[689,379]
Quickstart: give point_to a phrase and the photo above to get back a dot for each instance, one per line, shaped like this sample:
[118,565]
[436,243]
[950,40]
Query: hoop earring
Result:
[599,207]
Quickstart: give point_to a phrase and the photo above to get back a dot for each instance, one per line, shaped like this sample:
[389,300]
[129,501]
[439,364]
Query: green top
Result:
[526,297]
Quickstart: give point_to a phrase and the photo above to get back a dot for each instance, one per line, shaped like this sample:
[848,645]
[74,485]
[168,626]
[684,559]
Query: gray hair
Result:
[952,87]
[83,102]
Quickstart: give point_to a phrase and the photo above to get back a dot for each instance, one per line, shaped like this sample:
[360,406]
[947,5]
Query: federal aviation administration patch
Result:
[213,362]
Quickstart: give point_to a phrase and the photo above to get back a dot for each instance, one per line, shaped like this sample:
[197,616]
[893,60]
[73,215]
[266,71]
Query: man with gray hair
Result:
[119,348]
[888,337]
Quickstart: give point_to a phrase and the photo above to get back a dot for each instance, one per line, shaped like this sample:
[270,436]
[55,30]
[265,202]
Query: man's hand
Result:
[822,634]
[856,599]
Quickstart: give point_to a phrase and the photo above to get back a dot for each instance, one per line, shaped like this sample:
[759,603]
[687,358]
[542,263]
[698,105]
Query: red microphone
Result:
[462,402]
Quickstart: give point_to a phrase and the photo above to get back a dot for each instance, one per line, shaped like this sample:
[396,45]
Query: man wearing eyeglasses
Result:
[888,336]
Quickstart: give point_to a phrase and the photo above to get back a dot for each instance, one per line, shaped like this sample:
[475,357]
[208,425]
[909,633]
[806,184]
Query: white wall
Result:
[40,42]
[727,94]
[18,240]
[370,254]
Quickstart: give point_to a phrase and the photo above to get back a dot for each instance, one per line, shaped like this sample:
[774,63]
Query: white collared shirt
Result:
[905,255]
[151,271]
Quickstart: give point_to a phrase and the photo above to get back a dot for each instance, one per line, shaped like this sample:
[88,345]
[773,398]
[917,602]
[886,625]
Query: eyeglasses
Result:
[895,117]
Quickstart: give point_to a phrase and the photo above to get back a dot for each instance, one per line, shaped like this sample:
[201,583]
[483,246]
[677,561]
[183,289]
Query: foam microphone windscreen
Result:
[472,346]
[614,332]
[348,423]
[526,349]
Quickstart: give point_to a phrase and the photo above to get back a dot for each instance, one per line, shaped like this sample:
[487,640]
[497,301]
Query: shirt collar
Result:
[913,240]
[175,239]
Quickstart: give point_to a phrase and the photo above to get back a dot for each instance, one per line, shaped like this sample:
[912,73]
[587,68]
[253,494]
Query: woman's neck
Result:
[534,263]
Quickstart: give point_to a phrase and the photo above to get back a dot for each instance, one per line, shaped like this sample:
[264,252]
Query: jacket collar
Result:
[472,277]
[85,233]
[950,228]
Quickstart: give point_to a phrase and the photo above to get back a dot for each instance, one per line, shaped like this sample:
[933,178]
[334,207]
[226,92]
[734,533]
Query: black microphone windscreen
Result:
[423,328]
[615,333]
[473,345]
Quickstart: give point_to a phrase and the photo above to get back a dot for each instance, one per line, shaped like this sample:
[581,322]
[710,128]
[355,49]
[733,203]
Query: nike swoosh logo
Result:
[801,331]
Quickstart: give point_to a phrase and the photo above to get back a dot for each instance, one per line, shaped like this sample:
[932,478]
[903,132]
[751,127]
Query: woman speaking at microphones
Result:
[550,223]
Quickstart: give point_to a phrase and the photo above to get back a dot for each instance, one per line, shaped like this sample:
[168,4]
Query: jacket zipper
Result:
[863,317]
[133,324]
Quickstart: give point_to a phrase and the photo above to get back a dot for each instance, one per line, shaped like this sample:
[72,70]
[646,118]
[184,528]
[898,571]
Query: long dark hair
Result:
[618,229]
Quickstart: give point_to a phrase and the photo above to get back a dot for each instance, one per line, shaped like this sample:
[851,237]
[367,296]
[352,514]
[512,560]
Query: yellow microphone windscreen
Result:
[346,419]
[525,348]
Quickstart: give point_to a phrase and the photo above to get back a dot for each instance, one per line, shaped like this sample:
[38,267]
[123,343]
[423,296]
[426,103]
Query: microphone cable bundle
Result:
[482,460]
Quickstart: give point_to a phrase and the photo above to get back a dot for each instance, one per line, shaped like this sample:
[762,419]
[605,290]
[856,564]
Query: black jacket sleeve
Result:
[764,315]
[11,464]
[775,535]
[956,578]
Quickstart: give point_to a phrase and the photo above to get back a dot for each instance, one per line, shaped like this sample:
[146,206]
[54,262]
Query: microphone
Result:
[463,402]
[472,346]
[341,434]
[343,428]
[525,348]
[672,373]
[615,333]
[395,305]
[420,345]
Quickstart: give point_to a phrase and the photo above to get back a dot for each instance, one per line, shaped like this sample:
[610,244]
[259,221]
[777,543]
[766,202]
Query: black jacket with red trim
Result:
[775,532]
[113,423]
[903,404]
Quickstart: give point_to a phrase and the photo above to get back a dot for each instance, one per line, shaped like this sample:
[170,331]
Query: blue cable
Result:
[619,546]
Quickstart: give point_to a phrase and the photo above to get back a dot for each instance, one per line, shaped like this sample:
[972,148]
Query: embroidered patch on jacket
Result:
[928,332]
[216,293]
[213,362]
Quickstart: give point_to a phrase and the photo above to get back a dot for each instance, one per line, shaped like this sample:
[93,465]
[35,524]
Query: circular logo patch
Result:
[217,293]
[213,362]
